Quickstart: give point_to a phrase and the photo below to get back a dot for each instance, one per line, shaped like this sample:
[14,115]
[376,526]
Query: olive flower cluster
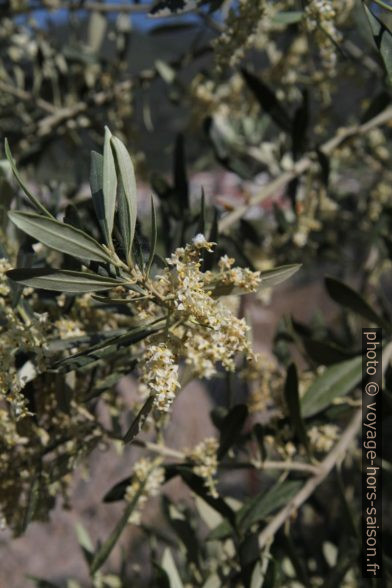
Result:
[147,479]
[321,17]
[240,32]
[205,460]
[204,332]
[159,376]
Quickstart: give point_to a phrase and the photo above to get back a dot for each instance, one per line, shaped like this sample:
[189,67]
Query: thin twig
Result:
[273,465]
[323,470]
[304,164]
[160,449]
[81,7]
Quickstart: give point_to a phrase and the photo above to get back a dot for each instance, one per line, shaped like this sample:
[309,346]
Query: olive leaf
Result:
[62,280]
[127,184]
[168,564]
[106,548]
[109,183]
[33,200]
[291,394]
[274,277]
[138,422]
[59,236]
[96,185]
[382,37]
[337,380]
[347,297]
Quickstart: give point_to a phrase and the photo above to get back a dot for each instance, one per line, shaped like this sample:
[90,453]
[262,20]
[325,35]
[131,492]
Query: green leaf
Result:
[347,297]
[335,381]
[34,201]
[324,353]
[268,101]
[59,236]
[383,39]
[231,427]
[259,507]
[169,565]
[109,183]
[96,185]
[128,184]
[62,280]
[106,548]
[153,240]
[278,275]
[85,542]
[106,348]
[291,395]
[138,422]
[184,531]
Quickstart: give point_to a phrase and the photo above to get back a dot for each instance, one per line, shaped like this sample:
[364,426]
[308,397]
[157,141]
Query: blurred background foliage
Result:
[280,113]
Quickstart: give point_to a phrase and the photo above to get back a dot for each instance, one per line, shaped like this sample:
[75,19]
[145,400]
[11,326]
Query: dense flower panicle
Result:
[240,32]
[205,460]
[320,20]
[208,332]
[159,376]
[147,479]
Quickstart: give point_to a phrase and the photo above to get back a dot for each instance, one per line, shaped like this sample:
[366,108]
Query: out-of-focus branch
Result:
[102,7]
[304,164]
[25,96]
[307,490]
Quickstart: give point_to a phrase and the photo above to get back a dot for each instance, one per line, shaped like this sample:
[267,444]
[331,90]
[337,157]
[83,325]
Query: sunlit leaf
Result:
[336,381]
[169,565]
[128,184]
[33,200]
[382,37]
[109,182]
[59,236]
[62,280]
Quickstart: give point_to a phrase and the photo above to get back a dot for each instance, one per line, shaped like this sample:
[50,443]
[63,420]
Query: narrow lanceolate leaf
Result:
[59,236]
[128,183]
[336,381]
[268,101]
[347,297]
[96,185]
[231,427]
[34,201]
[106,548]
[257,508]
[291,394]
[109,182]
[383,39]
[62,280]
[153,240]
[276,276]
[138,422]
[169,565]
